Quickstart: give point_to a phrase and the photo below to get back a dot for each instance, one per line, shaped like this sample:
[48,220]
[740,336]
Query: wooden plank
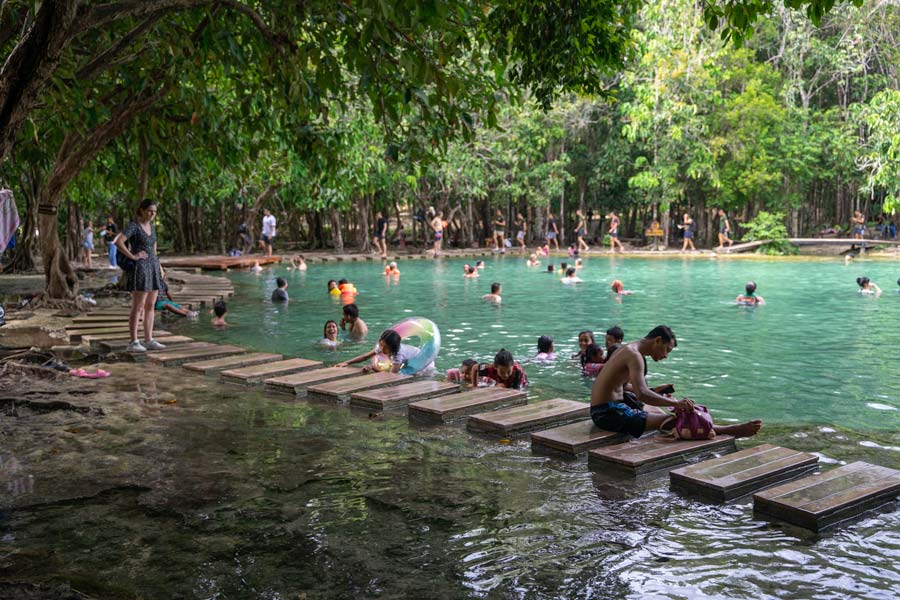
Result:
[122,344]
[400,395]
[177,356]
[529,417]
[97,325]
[823,500]
[459,406]
[90,338]
[76,334]
[213,366]
[655,453]
[575,438]
[297,384]
[742,473]
[255,374]
[342,389]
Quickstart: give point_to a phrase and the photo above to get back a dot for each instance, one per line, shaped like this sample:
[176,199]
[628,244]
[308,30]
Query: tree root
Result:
[44,301]
[11,404]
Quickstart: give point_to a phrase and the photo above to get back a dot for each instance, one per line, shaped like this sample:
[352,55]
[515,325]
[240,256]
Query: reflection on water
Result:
[236,494]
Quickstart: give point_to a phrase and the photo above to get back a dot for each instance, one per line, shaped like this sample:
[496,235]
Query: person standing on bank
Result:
[687,226]
[381,227]
[581,231]
[111,231]
[144,280]
[552,230]
[268,231]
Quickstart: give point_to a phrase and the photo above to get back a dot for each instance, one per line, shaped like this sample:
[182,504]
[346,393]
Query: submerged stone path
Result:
[558,426]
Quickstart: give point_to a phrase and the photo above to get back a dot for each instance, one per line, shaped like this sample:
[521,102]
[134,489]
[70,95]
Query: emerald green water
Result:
[232,493]
[817,353]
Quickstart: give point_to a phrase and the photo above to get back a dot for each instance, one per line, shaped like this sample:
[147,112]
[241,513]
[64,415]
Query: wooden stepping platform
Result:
[399,396]
[529,417]
[76,334]
[820,501]
[177,356]
[655,453]
[575,438]
[90,338]
[213,366]
[97,325]
[342,389]
[447,409]
[255,374]
[298,383]
[742,473]
[92,319]
[122,344]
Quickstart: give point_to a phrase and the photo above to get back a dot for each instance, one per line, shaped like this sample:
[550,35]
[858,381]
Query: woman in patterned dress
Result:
[144,280]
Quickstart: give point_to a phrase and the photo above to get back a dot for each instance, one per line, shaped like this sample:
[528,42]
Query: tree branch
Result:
[105,58]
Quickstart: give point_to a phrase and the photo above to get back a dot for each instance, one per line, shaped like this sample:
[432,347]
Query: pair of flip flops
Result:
[98,374]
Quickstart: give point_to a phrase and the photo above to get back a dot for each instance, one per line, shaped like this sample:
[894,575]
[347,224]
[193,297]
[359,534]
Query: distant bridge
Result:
[747,246]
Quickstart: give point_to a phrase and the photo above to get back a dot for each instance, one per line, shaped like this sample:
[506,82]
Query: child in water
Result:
[551,269]
[333,288]
[494,296]
[463,373]
[390,347]
[392,269]
[592,360]
[297,263]
[749,297]
[868,287]
[219,310]
[614,337]
[479,264]
[329,335]
[585,339]
[546,351]
[504,370]
[470,271]
[571,277]
[533,261]
[358,328]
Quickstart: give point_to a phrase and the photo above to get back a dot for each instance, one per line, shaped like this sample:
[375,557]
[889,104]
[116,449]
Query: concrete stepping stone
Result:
[177,356]
[529,417]
[297,384]
[655,453]
[823,500]
[447,409]
[575,438]
[742,473]
[399,396]
[213,366]
[255,374]
[342,389]
[122,344]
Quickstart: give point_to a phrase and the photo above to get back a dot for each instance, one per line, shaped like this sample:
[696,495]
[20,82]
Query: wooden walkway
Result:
[779,477]
[748,246]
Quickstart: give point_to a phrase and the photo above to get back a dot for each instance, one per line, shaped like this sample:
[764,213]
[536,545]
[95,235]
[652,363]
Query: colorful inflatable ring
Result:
[429,345]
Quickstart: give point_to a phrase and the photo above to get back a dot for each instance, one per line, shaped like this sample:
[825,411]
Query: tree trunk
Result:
[144,161]
[31,64]
[362,237]
[60,278]
[337,238]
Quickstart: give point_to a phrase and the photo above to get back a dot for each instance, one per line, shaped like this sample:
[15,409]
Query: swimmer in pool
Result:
[470,272]
[868,287]
[494,296]
[571,277]
[329,335]
[618,288]
[546,351]
[533,261]
[585,339]
[749,297]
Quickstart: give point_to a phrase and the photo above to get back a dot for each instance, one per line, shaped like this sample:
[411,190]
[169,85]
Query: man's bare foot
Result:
[748,429]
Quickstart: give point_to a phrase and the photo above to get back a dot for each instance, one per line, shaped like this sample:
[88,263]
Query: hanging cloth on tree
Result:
[9,217]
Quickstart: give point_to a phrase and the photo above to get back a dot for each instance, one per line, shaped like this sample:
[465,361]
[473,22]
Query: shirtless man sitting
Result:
[609,409]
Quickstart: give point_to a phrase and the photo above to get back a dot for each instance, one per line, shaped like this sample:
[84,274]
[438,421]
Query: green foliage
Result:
[769,227]
[879,157]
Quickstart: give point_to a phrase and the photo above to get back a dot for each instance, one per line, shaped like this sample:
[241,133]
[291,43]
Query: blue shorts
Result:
[688,234]
[267,239]
[551,235]
[613,234]
[579,232]
[620,418]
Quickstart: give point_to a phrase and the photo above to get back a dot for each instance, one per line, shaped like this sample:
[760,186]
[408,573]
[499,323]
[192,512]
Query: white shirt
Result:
[269,226]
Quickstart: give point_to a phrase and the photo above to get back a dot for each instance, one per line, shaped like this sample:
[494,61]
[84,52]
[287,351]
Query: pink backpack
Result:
[694,425]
